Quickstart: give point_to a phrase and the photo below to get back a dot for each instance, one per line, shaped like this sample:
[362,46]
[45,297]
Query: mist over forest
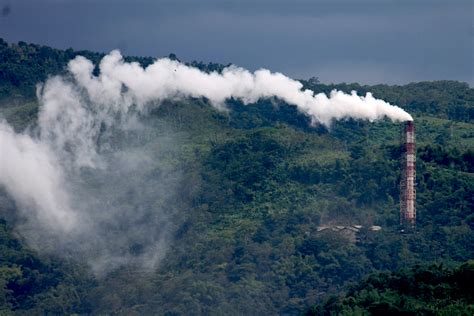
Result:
[143,186]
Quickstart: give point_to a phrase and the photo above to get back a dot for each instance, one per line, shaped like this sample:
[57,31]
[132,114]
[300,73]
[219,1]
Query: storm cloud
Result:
[338,41]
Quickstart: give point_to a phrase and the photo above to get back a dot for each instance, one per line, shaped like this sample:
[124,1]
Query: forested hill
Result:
[432,290]
[23,65]
[259,184]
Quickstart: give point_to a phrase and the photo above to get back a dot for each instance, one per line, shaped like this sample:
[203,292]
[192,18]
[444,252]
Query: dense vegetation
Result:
[260,180]
[419,291]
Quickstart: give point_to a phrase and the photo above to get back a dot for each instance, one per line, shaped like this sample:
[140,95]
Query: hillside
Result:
[432,290]
[255,182]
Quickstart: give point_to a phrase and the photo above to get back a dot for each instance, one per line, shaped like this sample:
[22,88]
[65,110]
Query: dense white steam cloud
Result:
[171,79]
[29,171]
[85,192]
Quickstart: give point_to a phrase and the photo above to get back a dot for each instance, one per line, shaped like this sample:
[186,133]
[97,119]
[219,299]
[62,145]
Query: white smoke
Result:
[167,79]
[29,171]
[66,186]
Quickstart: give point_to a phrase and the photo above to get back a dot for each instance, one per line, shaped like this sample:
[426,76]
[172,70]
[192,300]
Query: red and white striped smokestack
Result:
[408,176]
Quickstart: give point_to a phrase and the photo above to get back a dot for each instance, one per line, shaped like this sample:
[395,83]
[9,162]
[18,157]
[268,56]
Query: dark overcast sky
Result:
[379,41]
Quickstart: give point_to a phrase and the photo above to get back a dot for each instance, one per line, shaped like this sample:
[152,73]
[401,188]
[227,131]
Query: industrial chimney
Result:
[408,176]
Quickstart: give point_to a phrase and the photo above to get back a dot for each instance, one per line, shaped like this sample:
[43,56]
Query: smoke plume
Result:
[93,182]
[167,79]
